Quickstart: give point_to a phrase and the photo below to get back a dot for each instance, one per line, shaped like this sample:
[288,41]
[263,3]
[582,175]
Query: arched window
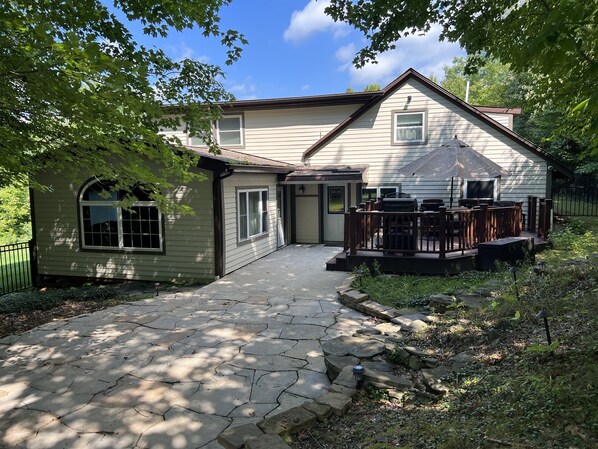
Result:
[107,225]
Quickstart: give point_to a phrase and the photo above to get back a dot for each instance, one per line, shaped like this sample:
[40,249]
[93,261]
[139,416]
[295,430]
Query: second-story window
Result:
[409,127]
[230,130]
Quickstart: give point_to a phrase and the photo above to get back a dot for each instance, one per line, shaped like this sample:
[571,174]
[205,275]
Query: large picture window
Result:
[230,130]
[252,212]
[409,127]
[481,188]
[107,225]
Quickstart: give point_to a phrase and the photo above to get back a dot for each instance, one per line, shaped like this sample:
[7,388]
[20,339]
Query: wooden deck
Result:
[440,242]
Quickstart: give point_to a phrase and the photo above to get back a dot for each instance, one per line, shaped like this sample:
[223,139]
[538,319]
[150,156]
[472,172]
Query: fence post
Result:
[548,219]
[353,230]
[442,231]
[532,210]
[541,218]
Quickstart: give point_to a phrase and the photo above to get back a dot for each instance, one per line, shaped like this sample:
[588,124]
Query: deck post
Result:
[442,231]
[353,230]
[518,219]
[482,223]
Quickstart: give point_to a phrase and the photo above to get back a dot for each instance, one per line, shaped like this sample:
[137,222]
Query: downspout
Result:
[218,221]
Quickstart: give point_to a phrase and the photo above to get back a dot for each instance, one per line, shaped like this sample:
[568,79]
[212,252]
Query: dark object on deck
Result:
[399,205]
[400,231]
[432,204]
[474,202]
[504,203]
[510,250]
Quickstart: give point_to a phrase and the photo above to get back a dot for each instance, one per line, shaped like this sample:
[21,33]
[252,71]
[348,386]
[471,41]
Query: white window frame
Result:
[424,127]
[263,207]
[397,189]
[495,189]
[119,222]
[241,133]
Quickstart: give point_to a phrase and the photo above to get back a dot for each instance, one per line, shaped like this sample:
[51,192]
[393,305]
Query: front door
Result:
[335,206]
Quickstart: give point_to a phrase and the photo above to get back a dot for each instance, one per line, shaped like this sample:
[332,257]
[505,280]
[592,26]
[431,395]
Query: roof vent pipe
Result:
[467,92]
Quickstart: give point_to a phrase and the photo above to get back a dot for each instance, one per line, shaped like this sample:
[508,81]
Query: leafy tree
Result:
[77,94]
[371,88]
[553,40]
[494,84]
[489,86]
[14,214]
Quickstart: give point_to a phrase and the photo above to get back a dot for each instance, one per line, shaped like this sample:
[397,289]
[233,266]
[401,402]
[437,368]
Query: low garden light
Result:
[513,270]
[540,268]
[358,374]
[544,315]
[157,286]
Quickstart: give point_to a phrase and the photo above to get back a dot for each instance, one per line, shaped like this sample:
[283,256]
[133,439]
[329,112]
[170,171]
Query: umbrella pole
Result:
[452,181]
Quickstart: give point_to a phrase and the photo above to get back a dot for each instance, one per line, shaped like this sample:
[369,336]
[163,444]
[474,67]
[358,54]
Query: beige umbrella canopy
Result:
[453,159]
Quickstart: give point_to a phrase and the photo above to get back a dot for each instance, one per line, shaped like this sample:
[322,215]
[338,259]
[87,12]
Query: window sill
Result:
[253,239]
[149,252]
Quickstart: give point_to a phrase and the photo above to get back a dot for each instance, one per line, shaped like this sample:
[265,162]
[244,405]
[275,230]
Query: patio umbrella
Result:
[453,159]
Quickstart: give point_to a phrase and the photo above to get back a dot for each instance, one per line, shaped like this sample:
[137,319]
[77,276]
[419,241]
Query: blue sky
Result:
[295,49]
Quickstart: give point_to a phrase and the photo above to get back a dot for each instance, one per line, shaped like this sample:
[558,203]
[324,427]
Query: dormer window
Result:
[230,130]
[409,127]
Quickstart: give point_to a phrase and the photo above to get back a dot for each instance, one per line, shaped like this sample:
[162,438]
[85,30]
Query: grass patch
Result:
[413,291]
[15,271]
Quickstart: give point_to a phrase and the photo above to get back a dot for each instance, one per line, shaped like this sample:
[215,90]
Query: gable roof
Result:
[413,74]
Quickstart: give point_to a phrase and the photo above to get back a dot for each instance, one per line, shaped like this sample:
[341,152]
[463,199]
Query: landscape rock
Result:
[387,380]
[288,422]
[270,441]
[462,359]
[335,364]
[339,403]
[436,379]
[377,310]
[409,325]
[441,303]
[352,297]
[234,437]
[322,411]
[362,348]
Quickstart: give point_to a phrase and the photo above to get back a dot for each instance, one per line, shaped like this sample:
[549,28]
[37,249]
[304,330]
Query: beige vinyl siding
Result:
[188,239]
[307,215]
[284,134]
[503,119]
[238,254]
[368,140]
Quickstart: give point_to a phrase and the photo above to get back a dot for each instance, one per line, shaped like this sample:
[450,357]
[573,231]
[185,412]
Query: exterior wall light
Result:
[301,189]
[358,374]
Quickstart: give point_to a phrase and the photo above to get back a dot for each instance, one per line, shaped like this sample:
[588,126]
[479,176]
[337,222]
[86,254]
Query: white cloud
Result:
[311,20]
[426,54]
[305,87]
[242,91]
[183,51]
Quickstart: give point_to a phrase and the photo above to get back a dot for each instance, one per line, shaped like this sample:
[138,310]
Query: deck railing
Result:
[438,232]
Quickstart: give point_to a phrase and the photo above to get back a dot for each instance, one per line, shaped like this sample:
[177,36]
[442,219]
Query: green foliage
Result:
[552,42]
[490,86]
[79,95]
[15,225]
[413,291]
[46,300]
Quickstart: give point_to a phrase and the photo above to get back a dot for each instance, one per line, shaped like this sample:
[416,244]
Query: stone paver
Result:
[178,369]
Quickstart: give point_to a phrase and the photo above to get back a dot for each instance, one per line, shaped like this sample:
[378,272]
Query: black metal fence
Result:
[576,197]
[15,267]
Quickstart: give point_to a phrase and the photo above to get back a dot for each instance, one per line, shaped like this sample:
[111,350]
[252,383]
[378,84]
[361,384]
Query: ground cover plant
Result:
[30,308]
[519,392]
